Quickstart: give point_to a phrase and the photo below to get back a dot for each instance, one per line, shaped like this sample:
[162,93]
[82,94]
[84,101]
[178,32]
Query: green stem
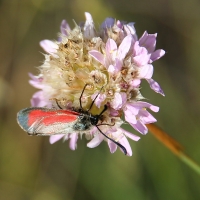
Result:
[187,160]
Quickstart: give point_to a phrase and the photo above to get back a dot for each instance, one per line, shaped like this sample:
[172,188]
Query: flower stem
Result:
[173,145]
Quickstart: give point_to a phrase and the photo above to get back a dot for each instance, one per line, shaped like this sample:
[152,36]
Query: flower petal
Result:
[123,141]
[135,82]
[65,28]
[88,29]
[140,54]
[146,71]
[119,100]
[141,105]
[36,81]
[112,146]
[157,54]
[141,59]
[55,138]
[146,117]
[73,141]
[38,99]
[49,46]
[113,112]
[98,138]
[111,69]
[140,127]
[130,135]
[130,29]
[116,68]
[148,41]
[97,56]
[124,47]
[108,23]
[155,86]
[132,108]
[130,117]
[111,51]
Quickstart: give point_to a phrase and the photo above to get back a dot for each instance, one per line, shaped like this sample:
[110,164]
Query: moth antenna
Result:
[58,104]
[94,101]
[117,143]
[82,96]
[105,108]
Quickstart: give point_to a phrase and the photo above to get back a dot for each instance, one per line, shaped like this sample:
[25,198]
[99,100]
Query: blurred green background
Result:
[31,168]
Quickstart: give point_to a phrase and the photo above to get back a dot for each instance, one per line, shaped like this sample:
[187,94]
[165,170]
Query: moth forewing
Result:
[46,122]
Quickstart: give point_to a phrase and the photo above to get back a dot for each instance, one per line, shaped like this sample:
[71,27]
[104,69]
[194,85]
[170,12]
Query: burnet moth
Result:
[41,121]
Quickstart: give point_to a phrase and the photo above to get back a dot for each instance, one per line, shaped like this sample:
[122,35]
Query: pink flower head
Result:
[111,62]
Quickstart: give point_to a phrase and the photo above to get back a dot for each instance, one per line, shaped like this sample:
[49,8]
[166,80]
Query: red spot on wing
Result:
[58,119]
[48,117]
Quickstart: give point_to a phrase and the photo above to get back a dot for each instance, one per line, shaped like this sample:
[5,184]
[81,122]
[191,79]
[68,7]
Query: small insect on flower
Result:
[42,121]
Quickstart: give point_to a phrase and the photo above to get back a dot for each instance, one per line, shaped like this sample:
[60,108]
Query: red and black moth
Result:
[41,121]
